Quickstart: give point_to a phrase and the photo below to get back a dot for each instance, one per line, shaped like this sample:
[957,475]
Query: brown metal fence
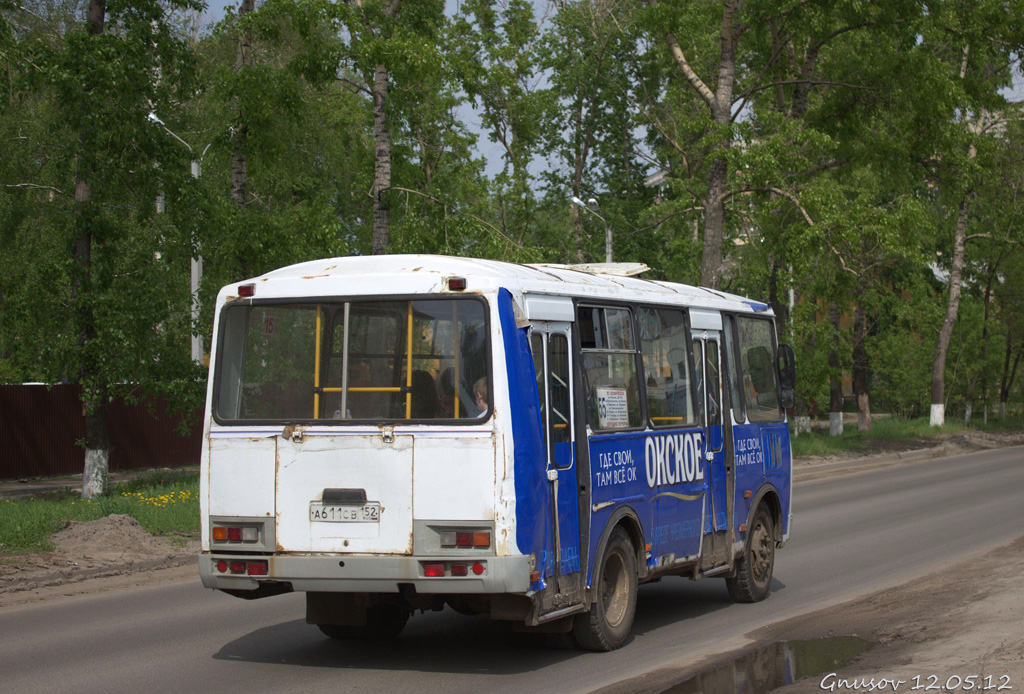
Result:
[41,428]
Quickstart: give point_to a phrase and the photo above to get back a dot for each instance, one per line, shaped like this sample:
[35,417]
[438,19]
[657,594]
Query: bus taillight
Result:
[253,568]
[466,539]
[234,533]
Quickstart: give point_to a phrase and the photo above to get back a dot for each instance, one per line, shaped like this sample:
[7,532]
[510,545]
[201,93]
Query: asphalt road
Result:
[852,535]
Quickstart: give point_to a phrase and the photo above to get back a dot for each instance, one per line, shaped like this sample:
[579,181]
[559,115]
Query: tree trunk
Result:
[381,162]
[714,224]
[860,368]
[577,233]
[968,400]
[835,378]
[719,102]
[938,410]
[239,155]
[94,398]
[1009,373]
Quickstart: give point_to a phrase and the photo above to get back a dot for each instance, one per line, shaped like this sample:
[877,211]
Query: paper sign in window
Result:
[612,408]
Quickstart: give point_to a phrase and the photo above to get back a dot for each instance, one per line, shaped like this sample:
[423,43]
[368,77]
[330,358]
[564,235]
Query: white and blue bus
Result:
[395,434]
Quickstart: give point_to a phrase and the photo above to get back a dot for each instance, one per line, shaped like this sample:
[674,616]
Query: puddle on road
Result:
[774,666]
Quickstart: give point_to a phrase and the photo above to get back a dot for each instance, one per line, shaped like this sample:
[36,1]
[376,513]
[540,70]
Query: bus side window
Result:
[731,370]
[760,384]
[713,381]
[537,347]
[666,367]
[609,367]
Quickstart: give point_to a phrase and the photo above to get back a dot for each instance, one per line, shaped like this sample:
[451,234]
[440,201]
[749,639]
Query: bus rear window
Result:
[333,362]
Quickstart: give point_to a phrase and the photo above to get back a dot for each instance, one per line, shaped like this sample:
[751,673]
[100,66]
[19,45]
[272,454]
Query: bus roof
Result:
[412,274]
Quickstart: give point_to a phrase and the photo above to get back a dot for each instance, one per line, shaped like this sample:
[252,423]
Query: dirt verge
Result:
[88,555]
[940,629]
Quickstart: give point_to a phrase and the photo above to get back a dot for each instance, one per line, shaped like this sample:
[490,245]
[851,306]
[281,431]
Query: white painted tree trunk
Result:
[938,414]
[94,477]
[801,425]
[835,423]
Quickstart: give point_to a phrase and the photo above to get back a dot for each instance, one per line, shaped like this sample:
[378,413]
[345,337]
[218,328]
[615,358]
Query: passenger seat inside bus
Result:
[424,396]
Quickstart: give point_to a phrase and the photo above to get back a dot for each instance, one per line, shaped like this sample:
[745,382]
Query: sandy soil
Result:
[947,625]
[95,557]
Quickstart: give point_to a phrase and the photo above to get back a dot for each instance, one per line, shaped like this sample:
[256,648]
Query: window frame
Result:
[220,364]
[691,383]
[584,398]
[781,415]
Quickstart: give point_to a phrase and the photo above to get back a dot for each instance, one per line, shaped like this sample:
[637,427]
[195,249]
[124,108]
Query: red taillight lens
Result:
[457,284]
[222,566]
[237,567]
[460,570]
[257,568]
[234,534]
[478,568]
[246,290]
[433,570]
[465,539]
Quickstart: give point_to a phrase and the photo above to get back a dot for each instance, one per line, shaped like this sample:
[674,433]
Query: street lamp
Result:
[591,207]
[197,262]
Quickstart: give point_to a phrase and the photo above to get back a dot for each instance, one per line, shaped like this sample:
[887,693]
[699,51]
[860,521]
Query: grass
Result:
[164,502]
[892,429]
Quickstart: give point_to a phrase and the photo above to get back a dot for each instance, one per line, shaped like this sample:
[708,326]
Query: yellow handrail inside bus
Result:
[316,368]
[455,348]
[408,367]
[366,389]
[667,419]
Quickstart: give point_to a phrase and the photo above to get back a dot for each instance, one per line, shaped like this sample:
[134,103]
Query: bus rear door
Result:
[706,329]
[552,355]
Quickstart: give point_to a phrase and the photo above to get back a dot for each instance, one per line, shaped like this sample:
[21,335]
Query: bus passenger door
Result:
[708,365]
[552,359]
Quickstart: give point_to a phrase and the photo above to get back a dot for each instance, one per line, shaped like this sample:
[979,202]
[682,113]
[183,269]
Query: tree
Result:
[970,50]
[103,256]
[717,96]
[498,62]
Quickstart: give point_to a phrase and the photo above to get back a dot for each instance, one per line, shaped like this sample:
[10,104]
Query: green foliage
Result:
[891,429]
[854,135]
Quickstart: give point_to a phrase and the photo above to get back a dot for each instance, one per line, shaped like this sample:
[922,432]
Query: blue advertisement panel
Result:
[662,475]
[762,456]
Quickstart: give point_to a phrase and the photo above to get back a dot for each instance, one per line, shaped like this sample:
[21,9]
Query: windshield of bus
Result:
[350,361]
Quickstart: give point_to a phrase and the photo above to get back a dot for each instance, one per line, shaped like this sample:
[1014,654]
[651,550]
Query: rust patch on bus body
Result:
[277,494]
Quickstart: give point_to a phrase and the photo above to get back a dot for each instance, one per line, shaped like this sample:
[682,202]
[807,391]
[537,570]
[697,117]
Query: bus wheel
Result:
[606,625]
[382,622]
[754,569]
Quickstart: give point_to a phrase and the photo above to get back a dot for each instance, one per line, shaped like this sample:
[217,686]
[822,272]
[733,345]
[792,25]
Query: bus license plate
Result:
[344,513]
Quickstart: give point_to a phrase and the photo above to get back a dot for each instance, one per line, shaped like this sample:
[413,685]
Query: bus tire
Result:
[383,622]
[606,625]
[754,569]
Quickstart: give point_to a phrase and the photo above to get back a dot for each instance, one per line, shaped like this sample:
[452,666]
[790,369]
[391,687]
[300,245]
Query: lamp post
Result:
[196,169]
[591,207]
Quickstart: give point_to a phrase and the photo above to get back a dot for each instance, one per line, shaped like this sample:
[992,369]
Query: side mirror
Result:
[787,368]
[788,398]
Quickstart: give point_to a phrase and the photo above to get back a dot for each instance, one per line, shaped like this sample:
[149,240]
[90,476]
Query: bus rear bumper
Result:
[367,574]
